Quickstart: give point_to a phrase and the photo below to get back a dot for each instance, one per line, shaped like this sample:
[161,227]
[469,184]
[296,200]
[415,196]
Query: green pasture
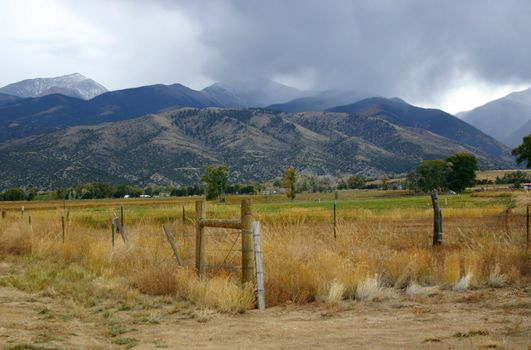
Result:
[310,207]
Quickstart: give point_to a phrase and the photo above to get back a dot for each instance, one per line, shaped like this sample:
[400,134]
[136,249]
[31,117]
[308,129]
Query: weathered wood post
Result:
[247,241]
[336,195]
[527,230]
[169,237]
[121,231]
[122,216]
[63,226]
[112,232]
[200,239]
[3,214]
[260,289]
[29,218]
[437,219]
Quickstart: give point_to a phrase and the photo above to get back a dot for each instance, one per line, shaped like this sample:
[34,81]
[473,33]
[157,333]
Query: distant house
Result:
[527,185]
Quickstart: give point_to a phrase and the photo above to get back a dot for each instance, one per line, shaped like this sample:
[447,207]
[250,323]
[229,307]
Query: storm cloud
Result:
[420,50]
[411,48]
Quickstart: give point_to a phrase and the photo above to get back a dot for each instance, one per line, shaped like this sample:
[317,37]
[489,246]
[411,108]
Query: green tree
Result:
[523,152]
[216,179]
[13,194]
[248,189]
[130,190]
[290,180]
[429,175]
[356,181]
[385,183]
[514,177]
[31,193]
[462,171]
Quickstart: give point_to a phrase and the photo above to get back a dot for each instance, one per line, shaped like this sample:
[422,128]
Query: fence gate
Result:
[244,224]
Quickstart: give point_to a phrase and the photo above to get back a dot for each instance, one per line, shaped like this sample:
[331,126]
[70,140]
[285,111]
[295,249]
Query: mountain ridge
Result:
[246,94]
[321,101]
[73,85]
[503,117]
[175,147]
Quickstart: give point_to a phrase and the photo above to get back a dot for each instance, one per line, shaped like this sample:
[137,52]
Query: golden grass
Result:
[158,281]
[15,239]
[376,254]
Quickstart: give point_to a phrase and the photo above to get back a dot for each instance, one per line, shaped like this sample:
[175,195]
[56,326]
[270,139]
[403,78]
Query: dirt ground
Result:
[487,318]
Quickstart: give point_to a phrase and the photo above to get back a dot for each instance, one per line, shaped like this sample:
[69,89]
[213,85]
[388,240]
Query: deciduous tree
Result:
[429,175]
[523,152]
[462,171]
[216,179]
[290,180]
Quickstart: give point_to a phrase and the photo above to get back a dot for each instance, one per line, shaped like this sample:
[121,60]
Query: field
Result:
[492,174]
[379,284]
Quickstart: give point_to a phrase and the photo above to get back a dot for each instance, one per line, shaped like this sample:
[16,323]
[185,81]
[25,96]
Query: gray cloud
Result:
[413,48]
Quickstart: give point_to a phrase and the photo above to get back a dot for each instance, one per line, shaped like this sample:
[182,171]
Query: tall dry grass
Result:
[376,253]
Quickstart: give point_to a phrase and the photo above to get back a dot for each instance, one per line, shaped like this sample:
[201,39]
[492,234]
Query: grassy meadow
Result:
[383,248]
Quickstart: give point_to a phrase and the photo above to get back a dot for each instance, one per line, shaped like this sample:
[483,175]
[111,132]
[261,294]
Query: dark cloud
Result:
[414,48]
[425,51]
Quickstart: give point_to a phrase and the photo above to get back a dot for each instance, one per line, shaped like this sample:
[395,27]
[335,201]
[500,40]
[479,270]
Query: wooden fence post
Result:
[200,239]
[63,226]
[112,232]
[335,221]
[335,216]
[29,218]
[169,236]
[122,215]
[437,219]
[527,230]
[260,289]
[121,230]
[247,241]
[3,214]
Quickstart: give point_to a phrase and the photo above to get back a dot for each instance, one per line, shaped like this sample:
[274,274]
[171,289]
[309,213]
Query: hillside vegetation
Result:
[176,146]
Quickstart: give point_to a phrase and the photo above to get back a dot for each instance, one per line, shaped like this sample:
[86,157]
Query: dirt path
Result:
[490,319]
[493,320]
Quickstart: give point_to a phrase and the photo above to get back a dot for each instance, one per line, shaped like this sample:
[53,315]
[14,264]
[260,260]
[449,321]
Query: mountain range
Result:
[508,119]
[168,134]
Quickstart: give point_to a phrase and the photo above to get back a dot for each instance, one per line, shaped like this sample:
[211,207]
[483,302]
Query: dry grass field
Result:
[379,284]
[492,174]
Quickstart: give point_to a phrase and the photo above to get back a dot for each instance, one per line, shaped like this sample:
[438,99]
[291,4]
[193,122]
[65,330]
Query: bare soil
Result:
[478,319]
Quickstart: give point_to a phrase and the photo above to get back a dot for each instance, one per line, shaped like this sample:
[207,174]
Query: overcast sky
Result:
[452,54]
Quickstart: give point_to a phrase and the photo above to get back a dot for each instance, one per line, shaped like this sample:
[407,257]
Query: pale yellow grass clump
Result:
[496,278]
[336,292]
[464,283]
[372,289]
[415,289]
